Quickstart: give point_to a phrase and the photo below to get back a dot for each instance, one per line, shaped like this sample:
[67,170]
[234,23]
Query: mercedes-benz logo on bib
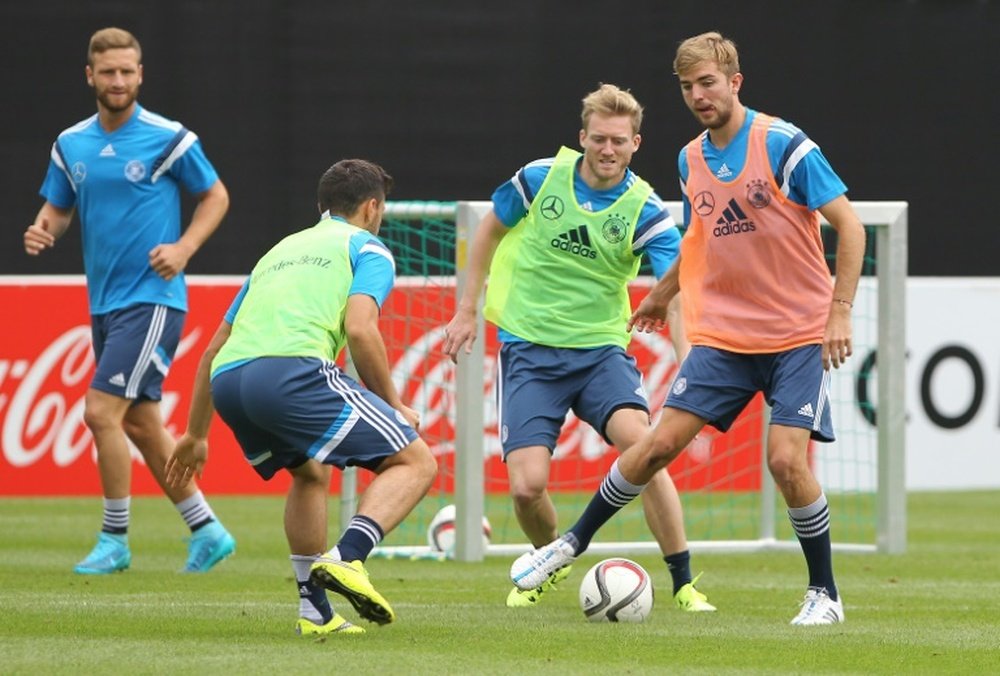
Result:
[552,207]
[704,203]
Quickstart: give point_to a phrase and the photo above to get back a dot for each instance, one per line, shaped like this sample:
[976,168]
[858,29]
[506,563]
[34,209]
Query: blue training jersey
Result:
[656,235]
[801,171]
[125,185]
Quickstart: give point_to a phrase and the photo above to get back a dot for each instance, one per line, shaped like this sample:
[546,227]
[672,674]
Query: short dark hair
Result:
[349,183]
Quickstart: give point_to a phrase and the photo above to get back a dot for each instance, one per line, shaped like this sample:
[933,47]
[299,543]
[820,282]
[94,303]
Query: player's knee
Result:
[661,450]
[310,474]
[140,434]
[422,461]
[786,467]
[524,492]
[99,418]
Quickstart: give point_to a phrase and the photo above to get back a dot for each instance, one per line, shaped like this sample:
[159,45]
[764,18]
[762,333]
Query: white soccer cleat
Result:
[532,569]
[819,608]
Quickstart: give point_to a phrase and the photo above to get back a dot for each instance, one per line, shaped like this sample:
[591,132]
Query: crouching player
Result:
[270,372]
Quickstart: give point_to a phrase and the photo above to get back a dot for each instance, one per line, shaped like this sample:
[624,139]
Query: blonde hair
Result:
[608,100]
[709,46]
[111,38]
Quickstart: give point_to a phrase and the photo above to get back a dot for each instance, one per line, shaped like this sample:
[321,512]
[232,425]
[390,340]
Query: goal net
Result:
[728,496]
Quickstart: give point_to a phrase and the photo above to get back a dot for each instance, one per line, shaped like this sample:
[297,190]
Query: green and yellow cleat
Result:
[336,625]
[350,580]
[691,600]
[518,598]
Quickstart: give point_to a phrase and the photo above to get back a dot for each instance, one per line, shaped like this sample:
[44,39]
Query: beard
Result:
[721,118]
[119,103]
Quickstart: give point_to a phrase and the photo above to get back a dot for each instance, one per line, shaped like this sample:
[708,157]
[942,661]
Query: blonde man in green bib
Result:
[564,238]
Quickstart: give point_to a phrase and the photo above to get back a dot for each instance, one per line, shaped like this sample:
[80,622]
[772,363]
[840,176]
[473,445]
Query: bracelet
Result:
[843,301]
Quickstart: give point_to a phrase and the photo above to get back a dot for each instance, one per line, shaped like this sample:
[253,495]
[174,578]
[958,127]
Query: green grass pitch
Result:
[933,610]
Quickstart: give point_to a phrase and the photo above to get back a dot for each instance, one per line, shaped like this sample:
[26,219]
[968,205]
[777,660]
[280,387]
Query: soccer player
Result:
[275,383]
[124,168]
[759,308]
[562,242]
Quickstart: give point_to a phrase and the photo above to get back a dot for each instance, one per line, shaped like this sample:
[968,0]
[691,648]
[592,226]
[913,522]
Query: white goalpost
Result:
[862,473]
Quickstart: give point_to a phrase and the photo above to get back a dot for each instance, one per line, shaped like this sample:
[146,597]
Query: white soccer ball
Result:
[616,590]
[441,531]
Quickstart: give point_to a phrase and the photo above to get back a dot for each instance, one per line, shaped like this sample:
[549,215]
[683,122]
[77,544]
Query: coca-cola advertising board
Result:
[46,363]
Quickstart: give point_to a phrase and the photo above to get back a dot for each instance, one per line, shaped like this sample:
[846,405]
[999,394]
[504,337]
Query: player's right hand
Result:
[461,331]
[37,238]
[187,461]
[650,315]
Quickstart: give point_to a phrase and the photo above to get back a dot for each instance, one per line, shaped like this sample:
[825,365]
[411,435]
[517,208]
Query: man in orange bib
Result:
[760,310]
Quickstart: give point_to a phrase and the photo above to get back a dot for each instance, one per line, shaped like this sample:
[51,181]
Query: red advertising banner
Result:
[46,363]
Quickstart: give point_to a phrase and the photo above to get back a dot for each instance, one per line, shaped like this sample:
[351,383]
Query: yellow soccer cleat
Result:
[336,625]
[691,600]
[350,580]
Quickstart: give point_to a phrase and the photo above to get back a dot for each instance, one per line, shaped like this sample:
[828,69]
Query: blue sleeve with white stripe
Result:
[192,168]
[656,235]
[662,251]
[513,198]
[682,172]
[813,182]
[56,188]
[800,168]
[373,265]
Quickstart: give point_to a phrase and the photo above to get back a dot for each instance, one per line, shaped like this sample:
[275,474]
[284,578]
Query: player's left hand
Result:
[168,260]
[412,417]
[837,342]
[187,461]
[460,332]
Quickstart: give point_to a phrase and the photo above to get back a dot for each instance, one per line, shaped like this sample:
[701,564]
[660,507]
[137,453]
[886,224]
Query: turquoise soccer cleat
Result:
[109,555]
[208,545]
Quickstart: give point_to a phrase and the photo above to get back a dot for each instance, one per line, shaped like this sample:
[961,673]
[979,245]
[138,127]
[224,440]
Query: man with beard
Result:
[123,168]
[760,311]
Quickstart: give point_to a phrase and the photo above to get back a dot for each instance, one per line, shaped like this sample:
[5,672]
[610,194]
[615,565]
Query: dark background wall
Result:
[452,96]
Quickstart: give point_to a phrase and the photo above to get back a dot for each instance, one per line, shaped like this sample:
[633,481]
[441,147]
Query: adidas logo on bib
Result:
[575,241]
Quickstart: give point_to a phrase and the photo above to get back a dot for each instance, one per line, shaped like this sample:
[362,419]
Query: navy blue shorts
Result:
[286,410]
[539,385]
[134,348]
[717,385]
